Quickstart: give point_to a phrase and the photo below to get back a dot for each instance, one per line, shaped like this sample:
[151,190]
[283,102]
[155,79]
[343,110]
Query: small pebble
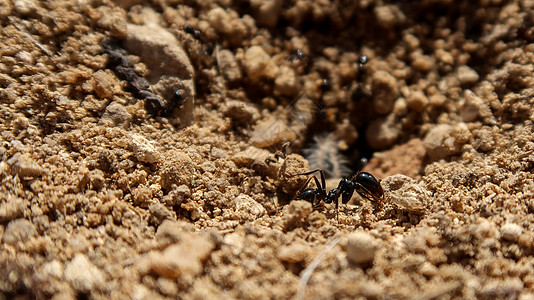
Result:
[83,275]
[116,115]
[294,253]
[53,268]
[143,149]
[417,101]
[240,111]
[270,132]
[228,65]
[248,209]
[446,140]
[256,63]
[105,83]
[182,259]
[382,133]
[26,6]
[11,209]
[251,155]
[24,166]
[405,193]
[19,230]
[286,83]
[361,247]
[267,12]
[385,91]
[466,75]
[159,213]
[177,168]
[296,212]
[511,231]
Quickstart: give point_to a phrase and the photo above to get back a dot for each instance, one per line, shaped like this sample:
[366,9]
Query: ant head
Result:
[299,55]
[325,85]
[189,29]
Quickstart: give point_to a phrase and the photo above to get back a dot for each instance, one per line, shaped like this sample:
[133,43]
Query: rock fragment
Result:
[446,140]
[361,247]
[177,168]
[389,16]
[53,268]
[24,166]
[143,149]
[220,19]
[382,133]
[466,75]
[511,232]
[182,259]
[250,156]
[473,107]
[270,132]
[294,253]
[405,193]
[417,101]
[240,111]
[26,6]
[19,230]
[267,12]
[256,63]
[286,83]
[385,91]
[83,275]
[177,196]
[111,19]
[228,65]
[286,179]
[11,209]
[116,115]
[159,49]
[248,209]
[159,213]
[105,84]
[296,213]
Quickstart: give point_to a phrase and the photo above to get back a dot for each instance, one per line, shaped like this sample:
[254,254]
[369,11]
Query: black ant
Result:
[299,55]
[197,34]
[323,87]
[365,184]
[362,61]
[194,32]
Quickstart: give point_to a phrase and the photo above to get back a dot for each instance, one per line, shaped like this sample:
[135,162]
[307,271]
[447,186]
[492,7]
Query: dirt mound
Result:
[153,150]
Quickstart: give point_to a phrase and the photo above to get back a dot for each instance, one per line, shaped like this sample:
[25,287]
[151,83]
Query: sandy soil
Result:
[141,158]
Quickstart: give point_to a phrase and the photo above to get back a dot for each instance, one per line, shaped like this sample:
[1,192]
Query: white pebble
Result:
[511,231]
[361,247]
[83,275]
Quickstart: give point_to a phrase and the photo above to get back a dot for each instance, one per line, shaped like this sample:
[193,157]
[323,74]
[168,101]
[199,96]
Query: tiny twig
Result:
[307,273]
[29,36]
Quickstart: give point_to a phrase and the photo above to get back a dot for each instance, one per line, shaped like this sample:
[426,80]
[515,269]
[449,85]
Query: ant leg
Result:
[321,186]
[282,153]
[269,160]
[337,210]
[310,172]
[306,184]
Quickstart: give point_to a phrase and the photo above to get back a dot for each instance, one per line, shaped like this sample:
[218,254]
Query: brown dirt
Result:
[105,196]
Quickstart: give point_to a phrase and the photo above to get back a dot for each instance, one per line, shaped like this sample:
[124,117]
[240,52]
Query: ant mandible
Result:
[365,184]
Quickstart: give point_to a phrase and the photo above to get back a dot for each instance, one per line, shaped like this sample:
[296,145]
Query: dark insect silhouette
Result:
[365,184]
